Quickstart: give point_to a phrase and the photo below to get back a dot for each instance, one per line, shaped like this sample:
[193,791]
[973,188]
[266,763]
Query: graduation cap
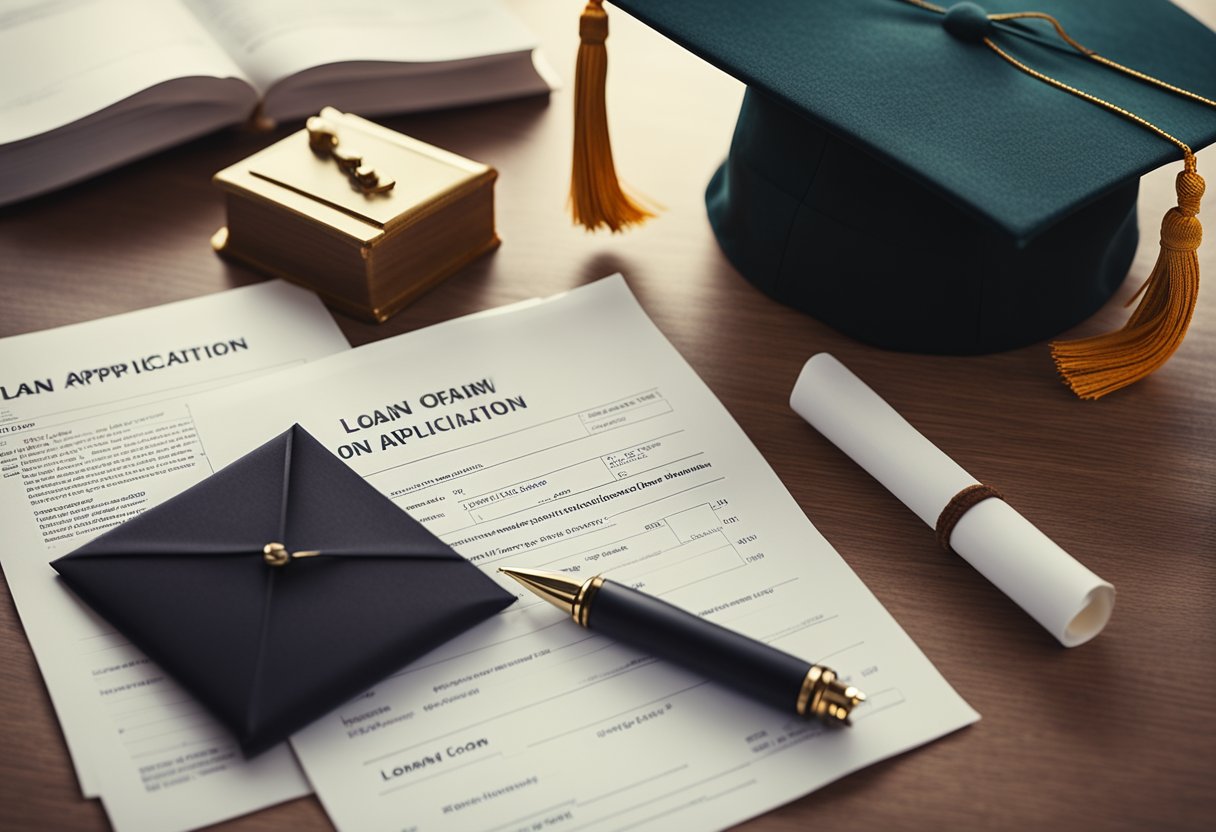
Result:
[280,587]
[950,180]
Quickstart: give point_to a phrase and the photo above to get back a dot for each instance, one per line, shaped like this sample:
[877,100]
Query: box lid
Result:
[290,175]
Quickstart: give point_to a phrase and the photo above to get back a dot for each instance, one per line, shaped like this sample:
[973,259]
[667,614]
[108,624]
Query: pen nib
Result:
[555,587]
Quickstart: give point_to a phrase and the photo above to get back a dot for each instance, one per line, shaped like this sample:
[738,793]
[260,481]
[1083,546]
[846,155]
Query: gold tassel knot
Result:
[1101,364]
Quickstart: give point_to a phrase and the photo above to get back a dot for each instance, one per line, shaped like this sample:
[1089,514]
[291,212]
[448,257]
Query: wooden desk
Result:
[1117,734]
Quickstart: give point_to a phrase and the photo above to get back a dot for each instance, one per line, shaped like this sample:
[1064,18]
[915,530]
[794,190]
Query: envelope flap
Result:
[341,625]
[200,618]
[248,494]
[332,509]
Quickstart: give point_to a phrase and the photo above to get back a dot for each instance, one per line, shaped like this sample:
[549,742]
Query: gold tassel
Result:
[1101,364]
[596,198]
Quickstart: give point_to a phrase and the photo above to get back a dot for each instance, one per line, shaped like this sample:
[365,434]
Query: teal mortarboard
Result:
[955,180]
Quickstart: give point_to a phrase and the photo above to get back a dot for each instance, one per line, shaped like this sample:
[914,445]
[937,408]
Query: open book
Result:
[92,84]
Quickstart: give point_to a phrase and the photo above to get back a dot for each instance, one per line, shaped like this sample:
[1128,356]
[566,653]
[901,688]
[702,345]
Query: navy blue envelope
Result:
[280,587]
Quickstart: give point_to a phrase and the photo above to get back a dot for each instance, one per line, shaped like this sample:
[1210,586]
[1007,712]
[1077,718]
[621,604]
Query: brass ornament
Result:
[323,141]
[276,554]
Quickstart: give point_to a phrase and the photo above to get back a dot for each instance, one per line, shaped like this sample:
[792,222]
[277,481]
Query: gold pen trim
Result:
[824,697]
[580,610]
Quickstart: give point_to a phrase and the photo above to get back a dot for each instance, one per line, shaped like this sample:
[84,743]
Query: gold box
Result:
[297,213]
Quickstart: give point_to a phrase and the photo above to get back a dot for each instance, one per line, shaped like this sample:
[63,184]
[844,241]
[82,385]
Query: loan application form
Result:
[570,435]
[93,430]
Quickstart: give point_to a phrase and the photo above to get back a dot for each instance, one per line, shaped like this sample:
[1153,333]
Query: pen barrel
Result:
[668,632]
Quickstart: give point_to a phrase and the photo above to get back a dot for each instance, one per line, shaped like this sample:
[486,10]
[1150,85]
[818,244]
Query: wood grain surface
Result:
[1116,734]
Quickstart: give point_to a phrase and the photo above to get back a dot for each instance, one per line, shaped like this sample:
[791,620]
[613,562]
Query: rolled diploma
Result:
[1068,599]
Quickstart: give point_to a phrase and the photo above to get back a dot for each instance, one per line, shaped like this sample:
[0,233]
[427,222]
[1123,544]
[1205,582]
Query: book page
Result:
[93,430]
[569,435]
[274,39]
[67,59]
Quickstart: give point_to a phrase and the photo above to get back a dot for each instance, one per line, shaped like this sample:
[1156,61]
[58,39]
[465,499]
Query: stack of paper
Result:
[564,434]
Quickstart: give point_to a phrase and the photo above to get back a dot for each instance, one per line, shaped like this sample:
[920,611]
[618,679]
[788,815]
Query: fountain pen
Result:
[668,632]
